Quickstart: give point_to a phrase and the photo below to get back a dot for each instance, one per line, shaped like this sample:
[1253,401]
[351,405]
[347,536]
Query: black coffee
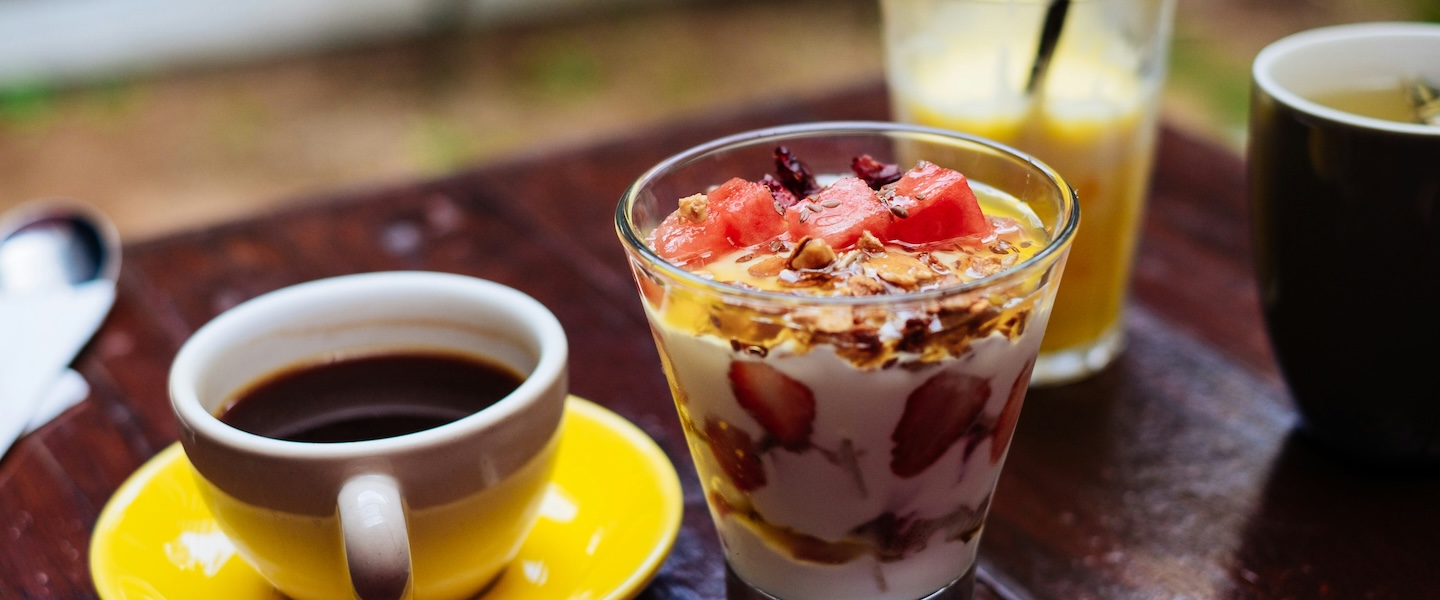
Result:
[368,398]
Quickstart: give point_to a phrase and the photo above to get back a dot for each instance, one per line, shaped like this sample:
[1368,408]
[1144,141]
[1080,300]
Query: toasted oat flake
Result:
[933,263]
[901,270]
[769,267]
[860,285]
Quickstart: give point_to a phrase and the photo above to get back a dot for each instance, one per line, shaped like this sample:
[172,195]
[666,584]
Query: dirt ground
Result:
[172,151]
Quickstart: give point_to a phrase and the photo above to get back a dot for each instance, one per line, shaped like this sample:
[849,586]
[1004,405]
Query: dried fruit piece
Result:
[937,414]
[873,172]
[793,174]
[783,406]
[784,198]
[737,454]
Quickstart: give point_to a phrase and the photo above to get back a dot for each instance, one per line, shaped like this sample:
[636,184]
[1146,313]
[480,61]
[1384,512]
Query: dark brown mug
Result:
[1346,222]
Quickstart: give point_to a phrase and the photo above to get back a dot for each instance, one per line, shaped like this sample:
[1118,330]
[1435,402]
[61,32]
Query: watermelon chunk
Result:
[739,213]
[846,209]
[747,210]
[939,205]
[687,243]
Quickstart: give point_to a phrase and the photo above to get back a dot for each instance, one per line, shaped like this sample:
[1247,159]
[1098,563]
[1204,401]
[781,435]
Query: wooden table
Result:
[1173,474]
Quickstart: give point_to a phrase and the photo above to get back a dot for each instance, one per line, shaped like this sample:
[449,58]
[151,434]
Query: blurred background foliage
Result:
[169,115]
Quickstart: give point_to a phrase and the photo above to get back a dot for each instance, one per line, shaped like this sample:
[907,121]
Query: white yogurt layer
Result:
[813,493]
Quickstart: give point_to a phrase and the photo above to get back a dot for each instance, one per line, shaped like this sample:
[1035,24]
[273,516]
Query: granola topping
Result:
[868,336]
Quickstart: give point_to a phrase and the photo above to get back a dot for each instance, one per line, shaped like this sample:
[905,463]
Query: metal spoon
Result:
[55,244]
[59,260]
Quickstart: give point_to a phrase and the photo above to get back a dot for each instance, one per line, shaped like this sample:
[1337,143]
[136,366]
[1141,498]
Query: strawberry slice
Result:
[737,454]
[937,414]
[783,406]
[1005,423]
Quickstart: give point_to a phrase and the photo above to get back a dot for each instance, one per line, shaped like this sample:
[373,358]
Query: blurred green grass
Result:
[164,151]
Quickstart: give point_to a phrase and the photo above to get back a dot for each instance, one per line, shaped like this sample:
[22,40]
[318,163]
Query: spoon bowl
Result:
[52,244]
[59,259]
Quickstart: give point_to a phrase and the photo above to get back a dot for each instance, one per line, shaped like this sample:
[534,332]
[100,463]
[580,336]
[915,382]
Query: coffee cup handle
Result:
[377,543]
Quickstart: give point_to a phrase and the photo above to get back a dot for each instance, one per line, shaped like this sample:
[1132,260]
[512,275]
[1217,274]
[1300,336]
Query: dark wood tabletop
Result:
[1176,473]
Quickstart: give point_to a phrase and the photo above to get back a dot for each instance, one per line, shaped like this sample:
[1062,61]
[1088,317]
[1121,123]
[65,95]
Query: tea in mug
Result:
[1388,103]
[369,397]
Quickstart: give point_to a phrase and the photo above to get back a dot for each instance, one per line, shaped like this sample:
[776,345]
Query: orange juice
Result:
[1093,119]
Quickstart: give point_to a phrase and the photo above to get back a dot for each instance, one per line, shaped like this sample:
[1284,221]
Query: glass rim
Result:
[1066,223]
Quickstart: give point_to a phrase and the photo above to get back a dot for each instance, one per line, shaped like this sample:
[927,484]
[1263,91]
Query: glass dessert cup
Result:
[967,65]
[837,512]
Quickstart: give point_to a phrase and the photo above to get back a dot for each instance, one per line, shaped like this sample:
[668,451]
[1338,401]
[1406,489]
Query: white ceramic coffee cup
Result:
[432,514]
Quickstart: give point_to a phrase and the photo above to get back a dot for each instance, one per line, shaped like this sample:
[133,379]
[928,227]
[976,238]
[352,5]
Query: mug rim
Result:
[212,337]
[1263,66]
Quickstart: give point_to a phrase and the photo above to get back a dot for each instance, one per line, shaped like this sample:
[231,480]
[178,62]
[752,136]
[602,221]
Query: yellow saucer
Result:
[608,521]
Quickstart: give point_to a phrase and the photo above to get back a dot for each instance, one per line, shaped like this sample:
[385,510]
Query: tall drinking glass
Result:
[848,446]
[1090,112]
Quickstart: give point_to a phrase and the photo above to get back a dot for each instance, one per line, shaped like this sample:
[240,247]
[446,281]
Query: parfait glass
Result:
[831,509]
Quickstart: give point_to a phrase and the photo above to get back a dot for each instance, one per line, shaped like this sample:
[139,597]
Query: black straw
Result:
[1049,37]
